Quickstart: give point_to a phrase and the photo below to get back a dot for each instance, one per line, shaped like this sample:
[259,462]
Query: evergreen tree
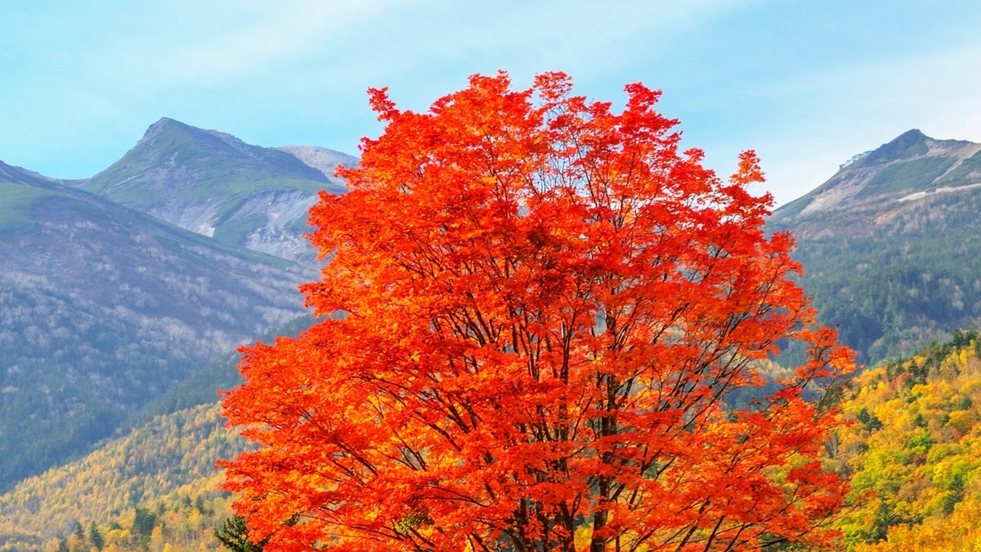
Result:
[143,522]
[234,535]
[98,541]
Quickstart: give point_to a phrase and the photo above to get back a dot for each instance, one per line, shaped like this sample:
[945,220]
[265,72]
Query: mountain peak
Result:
[164,121]
[908,144]
[910,136]
[909,167]
[215,184]
[165,124]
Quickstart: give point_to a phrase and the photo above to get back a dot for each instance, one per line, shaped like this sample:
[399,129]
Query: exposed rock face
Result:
[322,159]
[281,234]
[214,184]
[879,185]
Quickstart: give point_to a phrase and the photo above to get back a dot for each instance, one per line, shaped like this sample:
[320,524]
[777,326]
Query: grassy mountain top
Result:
[885,181]
[176,158]
[214,184]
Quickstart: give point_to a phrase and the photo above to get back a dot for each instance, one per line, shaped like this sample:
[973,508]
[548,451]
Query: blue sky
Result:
[806,84]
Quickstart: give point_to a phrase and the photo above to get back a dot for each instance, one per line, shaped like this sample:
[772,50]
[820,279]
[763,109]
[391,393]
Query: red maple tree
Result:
[540,308]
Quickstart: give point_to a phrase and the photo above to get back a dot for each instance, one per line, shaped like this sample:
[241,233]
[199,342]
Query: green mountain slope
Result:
[891,244]
[103,308]
[214,184]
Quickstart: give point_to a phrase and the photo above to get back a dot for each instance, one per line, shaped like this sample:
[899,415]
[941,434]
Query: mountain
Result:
[103,308]
[880,184]
[214,184]
[891,244]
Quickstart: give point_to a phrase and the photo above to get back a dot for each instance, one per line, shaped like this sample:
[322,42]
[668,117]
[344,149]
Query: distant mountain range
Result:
[891,244]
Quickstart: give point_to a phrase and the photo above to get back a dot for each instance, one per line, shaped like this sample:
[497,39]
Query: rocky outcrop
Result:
[322,159]
[879,185]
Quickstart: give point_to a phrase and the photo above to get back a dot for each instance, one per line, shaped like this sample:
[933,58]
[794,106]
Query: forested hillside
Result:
[913,451]
[913,280]
[201,387]
[165,468]
[103,308]
[164,464]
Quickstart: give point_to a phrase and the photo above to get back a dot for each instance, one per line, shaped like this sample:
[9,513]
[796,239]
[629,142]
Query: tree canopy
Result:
[540,308]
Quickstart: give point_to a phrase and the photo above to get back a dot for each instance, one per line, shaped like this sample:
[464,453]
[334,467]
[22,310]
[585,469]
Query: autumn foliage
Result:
[914,451]
[540,308]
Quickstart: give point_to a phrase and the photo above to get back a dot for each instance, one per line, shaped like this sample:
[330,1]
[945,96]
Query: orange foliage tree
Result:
[540,307]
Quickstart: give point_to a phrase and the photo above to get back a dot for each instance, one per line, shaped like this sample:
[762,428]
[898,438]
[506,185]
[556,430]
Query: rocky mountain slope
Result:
[103,308]
[323,159]
[891,244]
[877,186]
[214,184]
